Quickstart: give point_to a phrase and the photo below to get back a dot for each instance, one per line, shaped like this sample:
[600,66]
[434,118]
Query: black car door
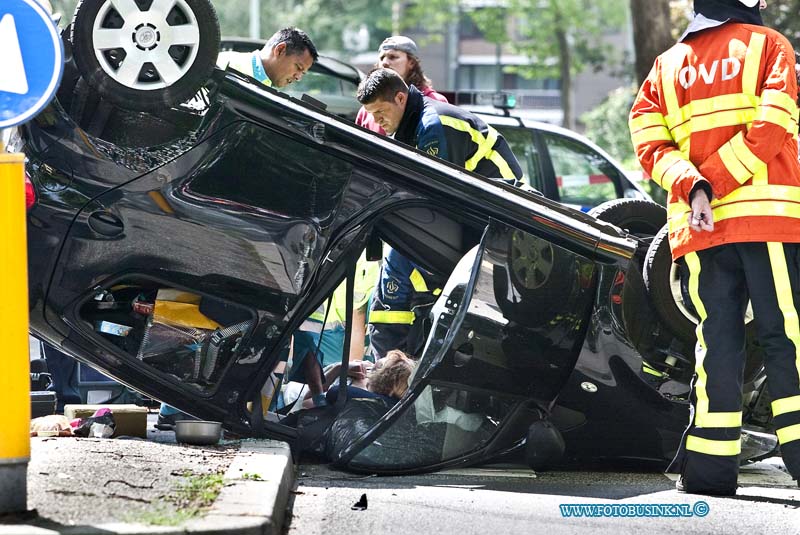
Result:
[503,342]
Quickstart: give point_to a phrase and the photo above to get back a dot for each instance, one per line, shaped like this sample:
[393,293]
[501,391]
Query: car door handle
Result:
[106,223]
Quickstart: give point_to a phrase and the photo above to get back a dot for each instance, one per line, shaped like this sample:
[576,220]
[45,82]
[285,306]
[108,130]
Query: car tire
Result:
[639,217]
[662,281]
[164,66]
[629,302]
[679,318]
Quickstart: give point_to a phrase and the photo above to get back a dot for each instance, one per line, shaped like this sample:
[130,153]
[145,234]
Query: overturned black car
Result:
[178,248]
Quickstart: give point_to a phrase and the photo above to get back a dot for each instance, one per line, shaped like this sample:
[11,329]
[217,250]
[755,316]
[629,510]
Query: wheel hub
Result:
[146,37]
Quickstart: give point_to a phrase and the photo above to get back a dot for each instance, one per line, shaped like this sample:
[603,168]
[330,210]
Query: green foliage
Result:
[581,23]
[199,491]
[324,20]
[190,498]
[161,516]
[431,15]
[560,37]
[607,125]
[234,18]
[782,15]
[534,25]
[66,8]
[492,22]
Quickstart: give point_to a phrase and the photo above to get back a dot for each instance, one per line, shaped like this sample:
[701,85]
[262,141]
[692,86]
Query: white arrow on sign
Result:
[11,58]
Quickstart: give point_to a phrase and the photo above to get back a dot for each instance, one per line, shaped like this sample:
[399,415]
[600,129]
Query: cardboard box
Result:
[131,420]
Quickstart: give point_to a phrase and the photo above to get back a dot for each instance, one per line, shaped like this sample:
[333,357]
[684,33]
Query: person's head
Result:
[384,94]
[390,374]
[747,11]
[287,56]
[400,54]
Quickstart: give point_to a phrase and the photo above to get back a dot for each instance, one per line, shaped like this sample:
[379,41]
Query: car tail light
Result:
[30,192]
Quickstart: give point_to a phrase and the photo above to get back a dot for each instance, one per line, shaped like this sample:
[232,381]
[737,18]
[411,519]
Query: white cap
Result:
[749,3]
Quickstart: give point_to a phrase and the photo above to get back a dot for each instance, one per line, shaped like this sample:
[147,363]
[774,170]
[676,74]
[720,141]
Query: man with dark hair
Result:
[438,128]
[285,58]
[406,291]
[715,124]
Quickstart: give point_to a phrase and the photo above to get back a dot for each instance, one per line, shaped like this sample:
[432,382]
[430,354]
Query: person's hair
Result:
[381,84]
[390,374]
[297,42]
[415,76]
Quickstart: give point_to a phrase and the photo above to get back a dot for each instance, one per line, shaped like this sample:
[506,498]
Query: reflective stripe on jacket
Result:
[366,278]
[721,107]
[455,135]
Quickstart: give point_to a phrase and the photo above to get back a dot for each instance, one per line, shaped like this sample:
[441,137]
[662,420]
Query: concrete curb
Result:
[253,502]
[262,474]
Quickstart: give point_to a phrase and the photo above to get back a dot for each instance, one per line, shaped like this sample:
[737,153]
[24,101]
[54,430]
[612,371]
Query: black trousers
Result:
[719,281]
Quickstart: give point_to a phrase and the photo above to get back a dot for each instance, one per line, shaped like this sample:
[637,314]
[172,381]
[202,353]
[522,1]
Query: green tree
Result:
[782,15]
[561,37]
[66,8]
[607,125]
[324,20]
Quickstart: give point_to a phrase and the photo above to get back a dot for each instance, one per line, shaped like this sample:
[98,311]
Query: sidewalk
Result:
[132,486]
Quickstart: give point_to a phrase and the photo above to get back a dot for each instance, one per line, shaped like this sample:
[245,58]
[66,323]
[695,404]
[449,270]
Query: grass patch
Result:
[252,477]
[199,491]
[162,516]
[191,497]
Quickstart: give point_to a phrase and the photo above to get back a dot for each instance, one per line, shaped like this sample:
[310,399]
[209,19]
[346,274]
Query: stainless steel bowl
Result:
[198,432]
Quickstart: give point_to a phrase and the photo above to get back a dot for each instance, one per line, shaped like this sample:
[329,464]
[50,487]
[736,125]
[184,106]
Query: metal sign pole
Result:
[15,443]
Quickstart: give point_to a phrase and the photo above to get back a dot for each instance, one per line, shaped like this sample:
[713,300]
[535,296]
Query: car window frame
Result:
[547,161]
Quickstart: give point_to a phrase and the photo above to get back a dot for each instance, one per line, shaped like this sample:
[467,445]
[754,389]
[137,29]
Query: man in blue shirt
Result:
[285,58]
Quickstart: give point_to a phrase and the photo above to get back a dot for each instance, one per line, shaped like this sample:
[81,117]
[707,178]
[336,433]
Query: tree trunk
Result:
[564,58]
[652,28]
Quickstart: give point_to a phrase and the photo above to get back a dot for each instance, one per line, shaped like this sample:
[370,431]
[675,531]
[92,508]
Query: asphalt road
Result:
[499,500]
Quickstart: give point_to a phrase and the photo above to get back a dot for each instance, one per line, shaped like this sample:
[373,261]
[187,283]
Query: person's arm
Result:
[358,332]
[656,149]
[356,370]
[431,139]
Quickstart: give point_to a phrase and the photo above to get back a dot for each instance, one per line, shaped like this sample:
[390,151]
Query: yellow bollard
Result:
[15,443]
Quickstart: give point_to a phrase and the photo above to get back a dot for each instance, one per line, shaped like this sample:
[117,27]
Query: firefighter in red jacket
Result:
[715,124]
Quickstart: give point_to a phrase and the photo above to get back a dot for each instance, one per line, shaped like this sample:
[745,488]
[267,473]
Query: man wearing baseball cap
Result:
[715,124]
[400,54]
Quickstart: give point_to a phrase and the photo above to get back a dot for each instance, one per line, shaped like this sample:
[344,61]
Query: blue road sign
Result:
[31,60]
